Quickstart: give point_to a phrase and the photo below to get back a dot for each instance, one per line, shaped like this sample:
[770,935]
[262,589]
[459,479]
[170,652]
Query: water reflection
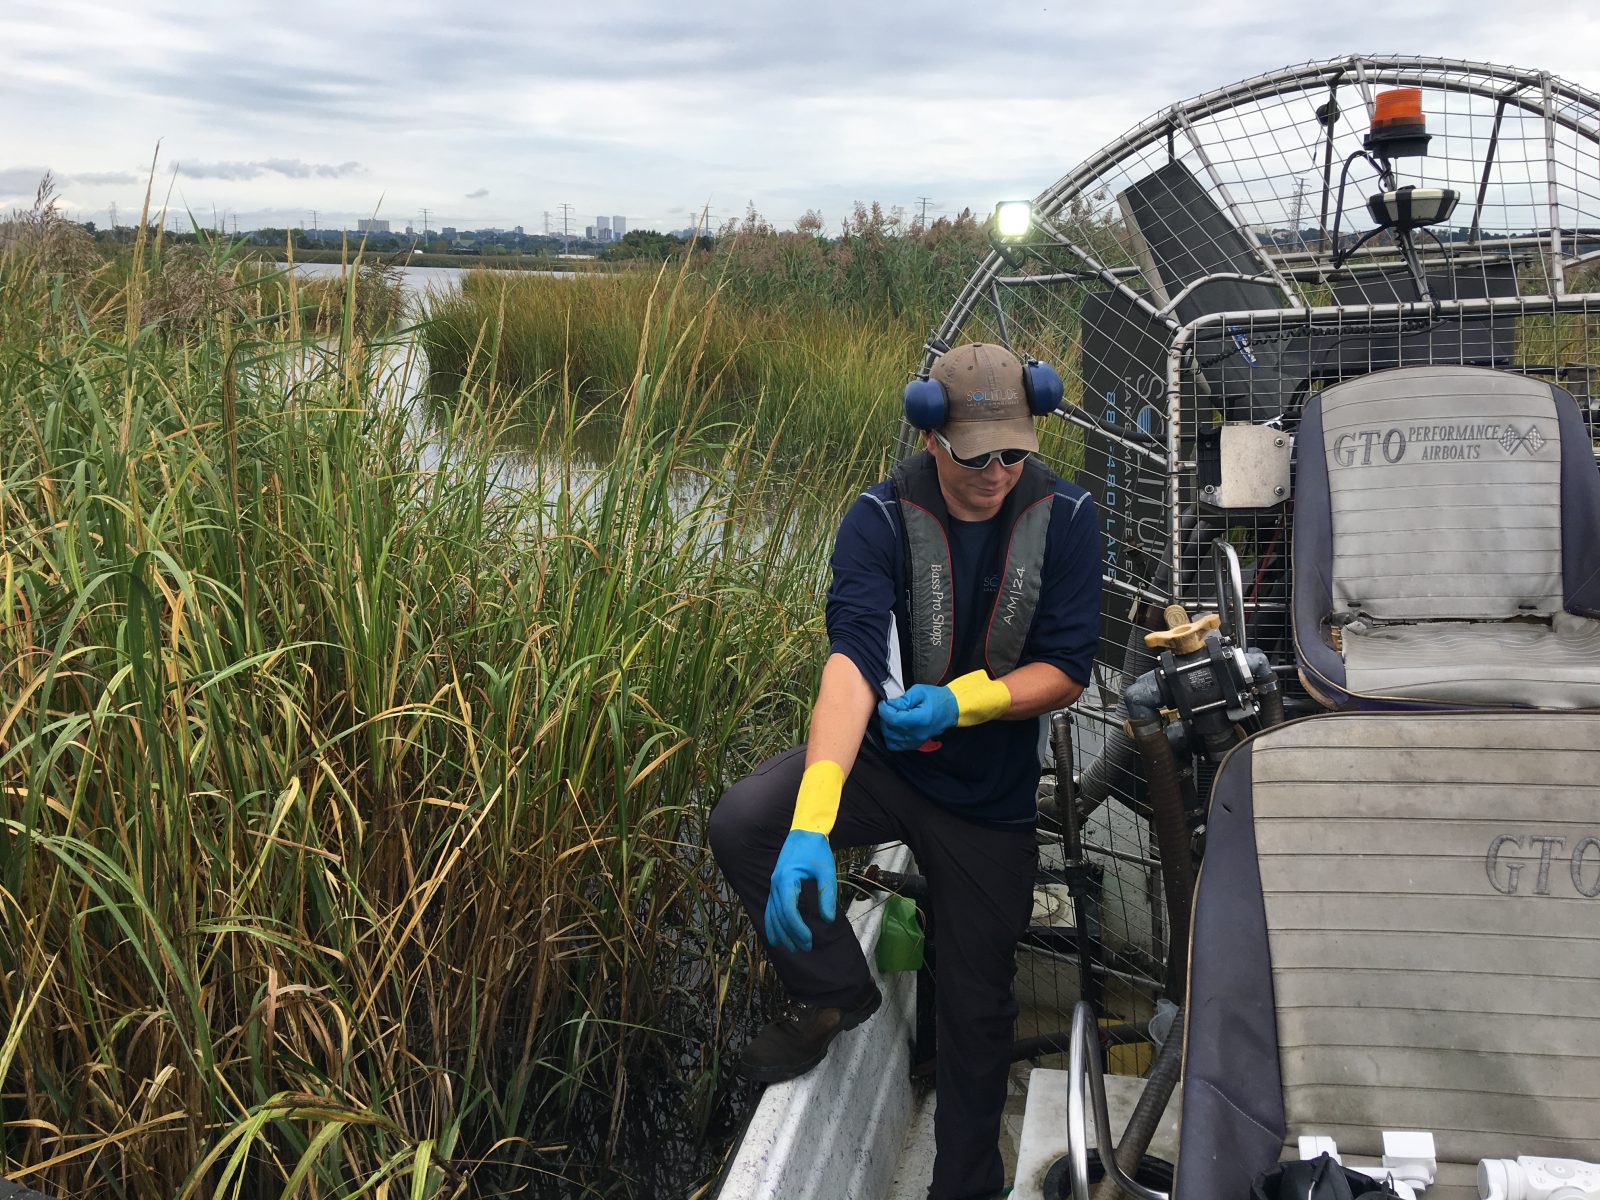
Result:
[539,465]
[418,280]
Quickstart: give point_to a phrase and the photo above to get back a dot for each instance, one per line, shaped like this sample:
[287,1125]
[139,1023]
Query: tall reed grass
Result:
[878,264]
[350,769]
[825,381]
[830,328]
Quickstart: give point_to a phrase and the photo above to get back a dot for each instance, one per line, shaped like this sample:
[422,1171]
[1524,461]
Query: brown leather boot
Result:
[798,1040]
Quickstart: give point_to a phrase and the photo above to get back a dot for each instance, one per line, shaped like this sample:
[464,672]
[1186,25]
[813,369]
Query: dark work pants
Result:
[980,890]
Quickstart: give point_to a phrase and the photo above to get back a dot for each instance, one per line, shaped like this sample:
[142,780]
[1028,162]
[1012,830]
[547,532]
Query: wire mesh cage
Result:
[1198,280]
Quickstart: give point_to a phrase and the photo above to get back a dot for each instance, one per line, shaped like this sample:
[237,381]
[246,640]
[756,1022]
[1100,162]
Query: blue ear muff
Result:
[1042,386]
[925,403]
[927,406]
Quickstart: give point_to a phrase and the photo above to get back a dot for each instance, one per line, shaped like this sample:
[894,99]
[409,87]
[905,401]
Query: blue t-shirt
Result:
[987,773]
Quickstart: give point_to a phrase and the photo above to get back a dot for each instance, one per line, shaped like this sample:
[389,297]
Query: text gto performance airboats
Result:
[1337,367]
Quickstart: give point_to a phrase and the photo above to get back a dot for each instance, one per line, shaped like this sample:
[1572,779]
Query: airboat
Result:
[1320,846]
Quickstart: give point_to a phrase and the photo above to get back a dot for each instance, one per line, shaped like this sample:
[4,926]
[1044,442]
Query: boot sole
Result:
[783,1074]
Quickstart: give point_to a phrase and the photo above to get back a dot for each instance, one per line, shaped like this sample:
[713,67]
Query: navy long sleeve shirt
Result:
[987,773]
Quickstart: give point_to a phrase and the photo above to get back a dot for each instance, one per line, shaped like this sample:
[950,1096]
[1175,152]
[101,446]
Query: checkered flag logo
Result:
[1532,441]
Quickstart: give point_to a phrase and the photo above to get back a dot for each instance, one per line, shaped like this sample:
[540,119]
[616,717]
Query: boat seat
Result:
[1395,928]
[1447,543]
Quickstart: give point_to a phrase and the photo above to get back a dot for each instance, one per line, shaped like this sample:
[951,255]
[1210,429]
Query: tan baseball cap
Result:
[987,407]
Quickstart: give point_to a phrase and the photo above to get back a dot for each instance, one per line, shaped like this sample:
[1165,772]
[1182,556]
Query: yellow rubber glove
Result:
[817,806]
[979,698]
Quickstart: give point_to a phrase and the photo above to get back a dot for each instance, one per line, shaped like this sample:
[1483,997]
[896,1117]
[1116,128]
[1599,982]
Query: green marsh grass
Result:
[825,331]
[827,380]
[351,771]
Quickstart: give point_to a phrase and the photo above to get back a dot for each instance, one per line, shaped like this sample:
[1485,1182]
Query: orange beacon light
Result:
[1399,129]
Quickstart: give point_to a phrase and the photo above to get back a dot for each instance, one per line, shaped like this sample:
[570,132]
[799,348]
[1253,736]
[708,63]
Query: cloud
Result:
[295,169]
[104,177]
[291,168]
[648,112]
[19,181]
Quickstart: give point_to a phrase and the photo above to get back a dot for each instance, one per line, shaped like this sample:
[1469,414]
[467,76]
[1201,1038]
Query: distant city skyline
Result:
[487,116]
[227,220]
[331,222]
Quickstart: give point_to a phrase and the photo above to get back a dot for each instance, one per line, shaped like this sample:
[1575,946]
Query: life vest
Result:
[930,593]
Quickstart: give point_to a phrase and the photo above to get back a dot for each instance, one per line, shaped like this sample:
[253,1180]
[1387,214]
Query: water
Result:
[419,281]
[402,366]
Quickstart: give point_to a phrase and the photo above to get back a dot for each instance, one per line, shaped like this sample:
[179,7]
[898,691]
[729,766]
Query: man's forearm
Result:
[1038,688]
[839,720]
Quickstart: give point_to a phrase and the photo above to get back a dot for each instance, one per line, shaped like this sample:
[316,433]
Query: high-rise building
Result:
[619,225]
[372,225]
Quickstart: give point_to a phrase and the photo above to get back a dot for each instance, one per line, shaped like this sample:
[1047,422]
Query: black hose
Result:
[1066,791]
[1077,876]
[874,879]
[1271,705]
[1118,760]
[1171,828]
[1147,1112]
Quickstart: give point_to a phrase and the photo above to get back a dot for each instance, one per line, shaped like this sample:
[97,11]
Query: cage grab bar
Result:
[1084,1066]
[1230,590]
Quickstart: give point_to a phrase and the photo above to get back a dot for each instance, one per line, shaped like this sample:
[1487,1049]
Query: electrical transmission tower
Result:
[425,223]
[922,217]
[1297,213]
[566,236]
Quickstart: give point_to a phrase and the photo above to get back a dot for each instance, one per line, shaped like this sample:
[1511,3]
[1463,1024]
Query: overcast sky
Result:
[490,113]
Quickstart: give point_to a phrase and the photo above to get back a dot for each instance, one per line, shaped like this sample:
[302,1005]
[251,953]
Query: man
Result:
[964,608]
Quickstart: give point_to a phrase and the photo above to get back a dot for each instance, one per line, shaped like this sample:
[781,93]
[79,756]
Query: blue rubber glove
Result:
[805,855]
[924,712]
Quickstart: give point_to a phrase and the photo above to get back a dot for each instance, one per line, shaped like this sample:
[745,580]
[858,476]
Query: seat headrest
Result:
[1444,493]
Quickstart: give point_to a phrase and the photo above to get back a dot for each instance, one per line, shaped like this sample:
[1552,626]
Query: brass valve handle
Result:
[1182,636]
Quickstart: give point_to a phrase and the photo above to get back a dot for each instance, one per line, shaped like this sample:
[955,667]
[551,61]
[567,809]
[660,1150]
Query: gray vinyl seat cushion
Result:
[1447,542]
[1554,664]
[1395,928]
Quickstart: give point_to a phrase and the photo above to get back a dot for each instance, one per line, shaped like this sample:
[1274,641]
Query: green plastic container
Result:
[899,936]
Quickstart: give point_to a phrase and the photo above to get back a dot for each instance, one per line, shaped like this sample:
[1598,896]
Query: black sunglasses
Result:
[1008,458]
